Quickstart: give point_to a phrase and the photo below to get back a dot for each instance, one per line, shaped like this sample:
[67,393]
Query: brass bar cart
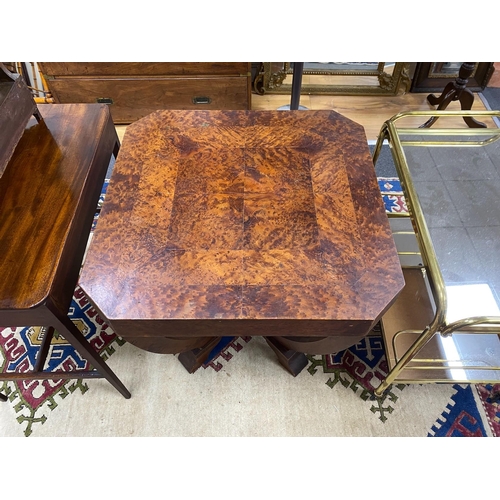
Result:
[445,325]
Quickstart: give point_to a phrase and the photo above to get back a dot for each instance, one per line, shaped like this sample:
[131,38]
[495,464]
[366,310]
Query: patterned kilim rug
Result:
[350,375]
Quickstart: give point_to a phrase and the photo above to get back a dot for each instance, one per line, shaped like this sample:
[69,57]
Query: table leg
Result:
[293,361]
[71,333]
[44,349]
[193,359]
[466,100]
[445,98]
[116,149]
[456,91]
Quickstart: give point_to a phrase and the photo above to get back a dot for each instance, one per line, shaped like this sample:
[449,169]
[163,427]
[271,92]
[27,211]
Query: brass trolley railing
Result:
[408,348]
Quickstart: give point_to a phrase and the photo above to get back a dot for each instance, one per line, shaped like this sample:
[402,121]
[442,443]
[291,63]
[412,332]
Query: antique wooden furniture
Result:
[16,108]
[223,223]
[133,90]
[435,76]
[444,326]
[48,196]
[456,91]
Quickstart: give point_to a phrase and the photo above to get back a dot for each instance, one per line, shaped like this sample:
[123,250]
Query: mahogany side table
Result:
[48,196]
[246,223]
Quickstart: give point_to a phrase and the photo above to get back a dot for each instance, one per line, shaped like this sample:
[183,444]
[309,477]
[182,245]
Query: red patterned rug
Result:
[358,369]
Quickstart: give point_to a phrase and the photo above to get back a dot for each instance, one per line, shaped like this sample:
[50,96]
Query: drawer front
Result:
[132,99]
[55,69]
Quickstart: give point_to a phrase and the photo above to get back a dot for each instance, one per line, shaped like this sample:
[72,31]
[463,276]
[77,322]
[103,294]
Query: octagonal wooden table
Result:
[243,223]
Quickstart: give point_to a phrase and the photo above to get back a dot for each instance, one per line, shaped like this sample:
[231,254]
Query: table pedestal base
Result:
[293,361]
[192,360]
[456,91]
[290,351]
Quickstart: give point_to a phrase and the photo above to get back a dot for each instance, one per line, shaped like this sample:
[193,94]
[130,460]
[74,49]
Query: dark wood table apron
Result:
[243,223]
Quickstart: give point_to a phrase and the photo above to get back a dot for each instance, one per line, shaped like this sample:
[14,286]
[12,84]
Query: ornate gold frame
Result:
[439,326]
[270,79]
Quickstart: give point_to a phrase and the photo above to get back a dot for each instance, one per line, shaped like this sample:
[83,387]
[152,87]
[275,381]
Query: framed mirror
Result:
[344,78]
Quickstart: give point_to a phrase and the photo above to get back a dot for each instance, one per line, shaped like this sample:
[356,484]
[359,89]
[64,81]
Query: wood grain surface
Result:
[134,90]
[141,69]
[243,222]
[369,111]
[48,196]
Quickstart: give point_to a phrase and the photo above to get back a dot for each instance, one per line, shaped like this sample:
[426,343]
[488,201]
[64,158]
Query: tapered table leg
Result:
[71,333]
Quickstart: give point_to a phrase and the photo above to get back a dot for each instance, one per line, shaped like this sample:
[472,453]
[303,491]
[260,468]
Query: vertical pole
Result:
[298,68]
[26,74]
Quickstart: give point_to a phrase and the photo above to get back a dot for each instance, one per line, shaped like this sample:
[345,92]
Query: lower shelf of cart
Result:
[461,357]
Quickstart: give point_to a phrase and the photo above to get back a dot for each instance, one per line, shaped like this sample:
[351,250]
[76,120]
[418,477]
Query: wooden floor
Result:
[369,111]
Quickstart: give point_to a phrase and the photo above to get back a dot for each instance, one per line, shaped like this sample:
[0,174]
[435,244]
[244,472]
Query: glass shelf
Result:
[444,326]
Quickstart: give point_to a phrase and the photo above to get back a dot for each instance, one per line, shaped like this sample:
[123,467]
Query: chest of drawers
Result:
[133,90]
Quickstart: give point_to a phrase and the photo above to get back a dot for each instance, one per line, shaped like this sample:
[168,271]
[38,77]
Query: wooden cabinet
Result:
[133,90]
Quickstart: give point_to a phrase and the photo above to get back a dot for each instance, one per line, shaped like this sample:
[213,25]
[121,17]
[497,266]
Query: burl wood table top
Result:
[243,215]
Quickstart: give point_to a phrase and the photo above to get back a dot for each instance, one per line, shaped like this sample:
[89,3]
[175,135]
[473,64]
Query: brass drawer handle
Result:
[202,100]
[104,100]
